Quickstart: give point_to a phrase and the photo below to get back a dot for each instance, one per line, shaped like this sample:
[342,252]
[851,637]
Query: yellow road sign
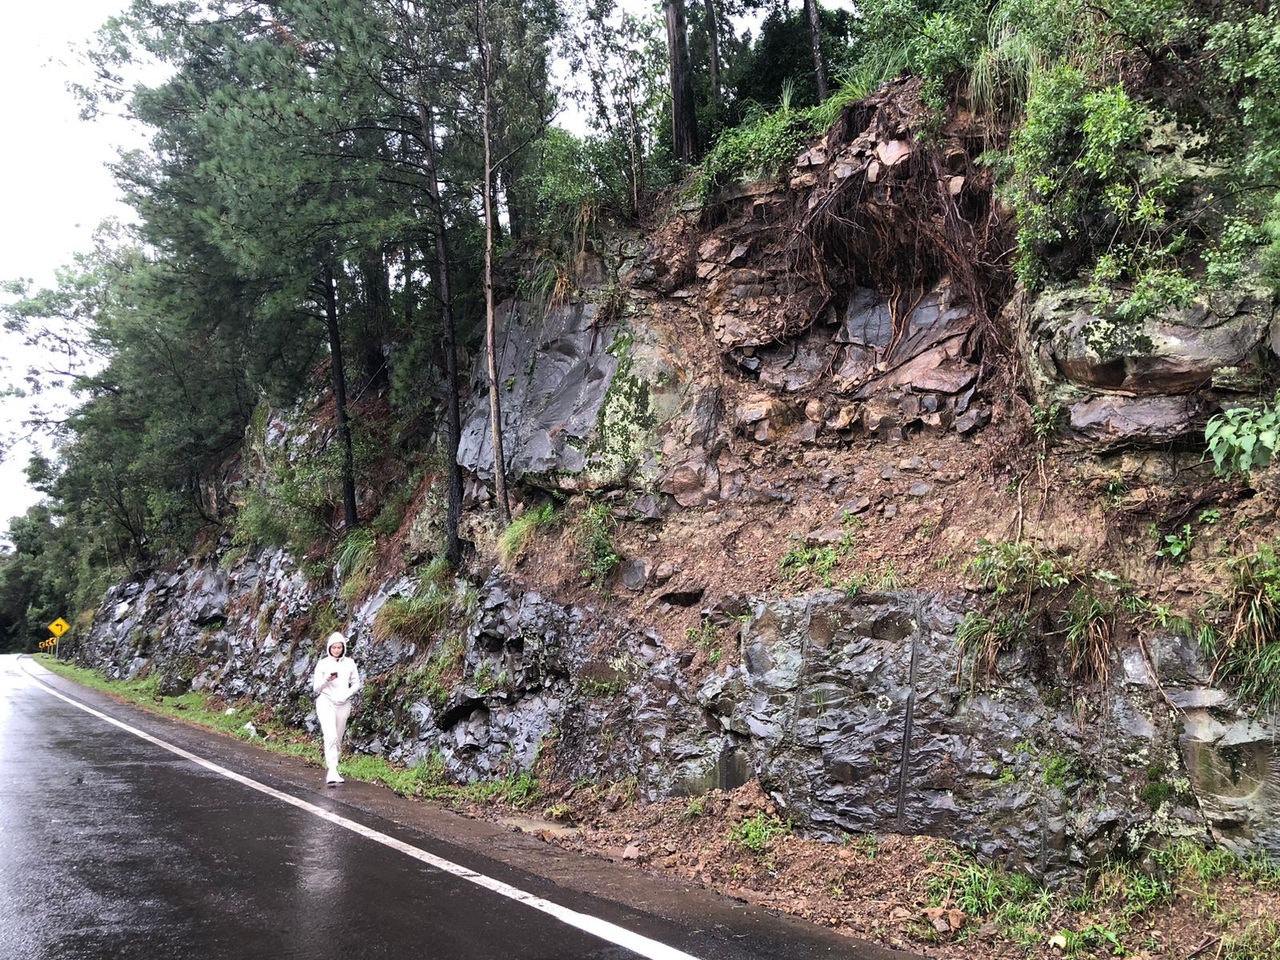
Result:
[59,627]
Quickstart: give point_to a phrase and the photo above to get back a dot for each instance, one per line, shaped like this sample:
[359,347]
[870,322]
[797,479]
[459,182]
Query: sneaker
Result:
[333,779]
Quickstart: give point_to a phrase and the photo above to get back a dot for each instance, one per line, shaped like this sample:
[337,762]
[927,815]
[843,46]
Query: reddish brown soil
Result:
[897,891]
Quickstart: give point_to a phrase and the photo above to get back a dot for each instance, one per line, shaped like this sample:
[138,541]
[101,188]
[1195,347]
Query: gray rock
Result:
[847,710]
[635,574]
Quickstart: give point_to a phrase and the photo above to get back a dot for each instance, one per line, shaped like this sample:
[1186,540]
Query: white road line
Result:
[603,929]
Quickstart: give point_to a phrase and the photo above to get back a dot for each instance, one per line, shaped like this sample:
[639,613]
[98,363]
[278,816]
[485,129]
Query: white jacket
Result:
[343,687]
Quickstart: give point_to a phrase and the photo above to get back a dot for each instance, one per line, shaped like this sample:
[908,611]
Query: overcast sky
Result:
[54,187]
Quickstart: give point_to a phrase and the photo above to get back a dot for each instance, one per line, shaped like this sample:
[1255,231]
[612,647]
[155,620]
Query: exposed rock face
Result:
[834,301]
[847,710]
[1152,381]
[1235,769]
[549,407]
[850,712]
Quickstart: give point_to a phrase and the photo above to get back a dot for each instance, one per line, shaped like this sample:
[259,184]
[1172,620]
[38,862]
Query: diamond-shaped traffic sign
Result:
[59,627]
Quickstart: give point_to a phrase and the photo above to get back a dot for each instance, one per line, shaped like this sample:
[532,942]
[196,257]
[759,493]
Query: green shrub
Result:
[756,832]
[1238,239]
[563,183]
[1243,439]
[595,538]
[1086,192]
[761,148]
[1155,289]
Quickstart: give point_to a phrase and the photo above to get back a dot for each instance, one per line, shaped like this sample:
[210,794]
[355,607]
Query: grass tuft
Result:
[513,541]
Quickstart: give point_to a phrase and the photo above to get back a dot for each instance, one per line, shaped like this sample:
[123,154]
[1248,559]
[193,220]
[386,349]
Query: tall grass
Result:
[514,540]
[1004,69]
[1249,651]
[355,563]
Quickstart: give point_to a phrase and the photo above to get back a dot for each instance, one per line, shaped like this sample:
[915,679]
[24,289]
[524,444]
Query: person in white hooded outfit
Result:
[335,682]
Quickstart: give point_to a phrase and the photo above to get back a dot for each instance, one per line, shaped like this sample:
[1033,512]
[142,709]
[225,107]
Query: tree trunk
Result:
[515,209]
[636,155]
[444,287]
[340,399]
[490,320]
[377,317]
[713,41]
[815,42]
[684,119]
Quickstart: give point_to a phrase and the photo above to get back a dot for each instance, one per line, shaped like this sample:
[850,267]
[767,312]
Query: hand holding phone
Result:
[334,675]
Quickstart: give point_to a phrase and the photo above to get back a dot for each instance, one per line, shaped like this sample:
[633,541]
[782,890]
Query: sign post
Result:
[57,628]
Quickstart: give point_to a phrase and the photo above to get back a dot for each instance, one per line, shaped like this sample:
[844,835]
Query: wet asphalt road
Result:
[113,846]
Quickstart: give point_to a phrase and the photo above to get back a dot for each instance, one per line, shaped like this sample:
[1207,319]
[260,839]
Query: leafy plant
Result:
[756,832]
[695,808]
[705,635]
[709,638]
[1238,238]
[868,845]
[1117,903]
[1243,439]
[817,562]
[1008,568]
[1045,422]
[595,538]
[1090,938]
[1155,289]
[1177,546]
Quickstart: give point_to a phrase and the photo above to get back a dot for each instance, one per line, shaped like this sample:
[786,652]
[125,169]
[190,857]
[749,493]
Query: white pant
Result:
[333,724]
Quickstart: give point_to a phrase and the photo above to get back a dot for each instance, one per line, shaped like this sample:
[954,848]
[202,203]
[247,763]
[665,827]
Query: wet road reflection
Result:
[116,844]
[109,847]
